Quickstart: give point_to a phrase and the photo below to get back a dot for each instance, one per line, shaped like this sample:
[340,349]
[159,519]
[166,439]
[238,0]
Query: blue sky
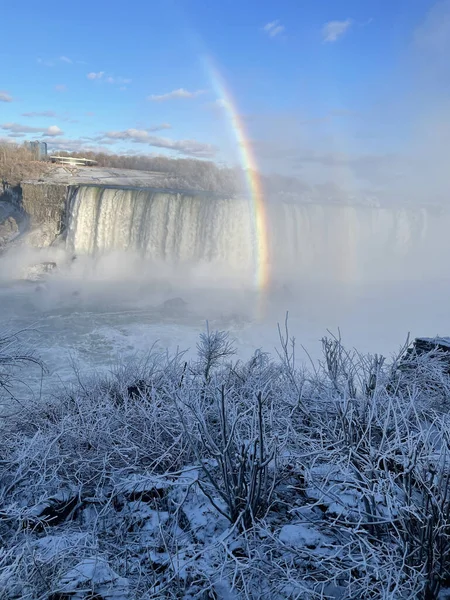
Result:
[320,85]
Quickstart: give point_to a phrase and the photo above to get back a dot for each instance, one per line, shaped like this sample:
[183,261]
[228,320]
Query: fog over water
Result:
[153,268]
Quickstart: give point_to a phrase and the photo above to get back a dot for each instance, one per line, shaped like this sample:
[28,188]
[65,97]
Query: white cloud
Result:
[142,136]
[179,93]
[93,75]
[101,140]
[333,30]
[53,130]
[52,62]
[160,127]
[15,128]
[118,80]
[102,76]
[187,147]
[61,87]
[184,147]
[274,28]
[45,63]
[136,135]
[7,140]
[5,97]
[44,113]
[74,145]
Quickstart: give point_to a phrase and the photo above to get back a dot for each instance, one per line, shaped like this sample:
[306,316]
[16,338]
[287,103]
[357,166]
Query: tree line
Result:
[18,163]
[192,173]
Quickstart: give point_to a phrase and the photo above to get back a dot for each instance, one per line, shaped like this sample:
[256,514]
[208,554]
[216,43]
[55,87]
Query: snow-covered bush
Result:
[216,478]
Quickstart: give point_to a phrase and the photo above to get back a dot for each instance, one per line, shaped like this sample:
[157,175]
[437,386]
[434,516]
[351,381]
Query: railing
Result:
[72,160]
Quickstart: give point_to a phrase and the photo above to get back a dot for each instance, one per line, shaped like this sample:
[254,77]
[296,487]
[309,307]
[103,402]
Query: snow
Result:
[138,484]
[204,522]
[53,546]
[94,574]
[140,515]
[301,534]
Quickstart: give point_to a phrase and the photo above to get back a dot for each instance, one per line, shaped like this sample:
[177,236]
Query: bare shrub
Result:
[393,448]
[14,356]
[236,441]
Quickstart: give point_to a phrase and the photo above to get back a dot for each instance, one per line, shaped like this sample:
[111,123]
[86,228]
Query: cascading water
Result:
[324,242]
[172,227]
[352,243]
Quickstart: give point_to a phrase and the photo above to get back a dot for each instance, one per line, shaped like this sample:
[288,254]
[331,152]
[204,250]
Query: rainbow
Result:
[248,164]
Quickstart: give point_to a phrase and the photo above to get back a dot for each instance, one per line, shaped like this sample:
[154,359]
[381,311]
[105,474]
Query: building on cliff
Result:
[39,149]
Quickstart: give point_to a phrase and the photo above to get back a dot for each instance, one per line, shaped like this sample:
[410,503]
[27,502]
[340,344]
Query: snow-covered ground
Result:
[72,175]
[218,478]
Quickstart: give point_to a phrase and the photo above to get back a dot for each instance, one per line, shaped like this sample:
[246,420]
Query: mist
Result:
[369,274]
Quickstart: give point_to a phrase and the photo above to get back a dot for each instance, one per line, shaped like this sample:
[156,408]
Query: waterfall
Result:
[318,241]
[175,228]
[355,243]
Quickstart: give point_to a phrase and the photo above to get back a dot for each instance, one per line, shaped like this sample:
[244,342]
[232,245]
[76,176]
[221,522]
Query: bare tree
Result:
[17,162]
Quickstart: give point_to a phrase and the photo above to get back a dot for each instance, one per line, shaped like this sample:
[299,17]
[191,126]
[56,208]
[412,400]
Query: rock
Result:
[52,511]
[48,266]
[144,488]
[9,229]
[174,306]
[38,271]
[438,346]
[139,389]
[422,345]
[9,226]
[43,236]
